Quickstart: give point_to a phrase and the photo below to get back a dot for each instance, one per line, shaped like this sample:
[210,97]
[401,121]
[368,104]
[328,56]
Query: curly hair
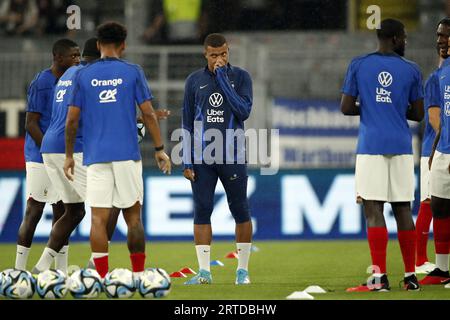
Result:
[111,33]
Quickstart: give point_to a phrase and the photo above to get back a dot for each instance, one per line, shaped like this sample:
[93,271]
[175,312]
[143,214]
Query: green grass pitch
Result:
[276,270]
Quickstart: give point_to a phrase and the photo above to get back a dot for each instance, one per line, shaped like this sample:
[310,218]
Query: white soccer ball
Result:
[140,131]
[154,283]
[18,284]
[3,278]
[51,284]
[85,284]
[119,283]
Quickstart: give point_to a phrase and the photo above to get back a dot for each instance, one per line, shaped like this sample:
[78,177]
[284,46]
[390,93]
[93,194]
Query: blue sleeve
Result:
[416,92]
[432,92]
[187,121]
[350,87]
[75,98]
[36,98]
[241,99]
[142,90]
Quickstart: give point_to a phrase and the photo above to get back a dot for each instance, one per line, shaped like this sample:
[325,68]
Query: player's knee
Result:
[202,213]
[34,211]
[241,214]
[202,217]
[438,208]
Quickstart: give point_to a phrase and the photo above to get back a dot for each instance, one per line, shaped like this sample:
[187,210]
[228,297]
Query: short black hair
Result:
[445,21]
[62,46]
[214,40]
[390,28]
[90,48]
[111,33]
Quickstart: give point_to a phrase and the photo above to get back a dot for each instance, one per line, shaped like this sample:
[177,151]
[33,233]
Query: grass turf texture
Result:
[277,270]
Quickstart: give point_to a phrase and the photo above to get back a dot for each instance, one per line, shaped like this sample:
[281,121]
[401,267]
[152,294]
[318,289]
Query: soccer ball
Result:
[140,131]
[85,284]
[154,283]
[119,283]
[3,280]
[18,284]
[51,284]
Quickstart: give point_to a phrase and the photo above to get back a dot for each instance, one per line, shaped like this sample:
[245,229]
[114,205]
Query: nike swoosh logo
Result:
[203,87]
[205,251]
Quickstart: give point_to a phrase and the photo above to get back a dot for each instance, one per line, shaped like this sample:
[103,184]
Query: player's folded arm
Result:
[241,103]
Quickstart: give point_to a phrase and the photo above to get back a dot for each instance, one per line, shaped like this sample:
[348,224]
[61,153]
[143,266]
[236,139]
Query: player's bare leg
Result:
[33,214]
[111,227]
[99,239]
[57,245]
[202,234]
[135,238]
[58,211]
[112,222]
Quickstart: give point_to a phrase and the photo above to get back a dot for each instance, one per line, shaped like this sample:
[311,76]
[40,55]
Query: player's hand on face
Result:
[163,161]
[69,168]
[189,174]
[162,114]
[219,64]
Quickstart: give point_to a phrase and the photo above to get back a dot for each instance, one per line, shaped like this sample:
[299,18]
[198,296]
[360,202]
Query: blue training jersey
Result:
[216,103]
[386,84]
[432,98]
[444,89]
[54,138]
[107,92]
[39,100]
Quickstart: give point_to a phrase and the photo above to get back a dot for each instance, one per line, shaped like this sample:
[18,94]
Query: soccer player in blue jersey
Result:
[39,189]
[217,97]
[105,95]
[390,92]
[72,193]
[432,123]
[440,180]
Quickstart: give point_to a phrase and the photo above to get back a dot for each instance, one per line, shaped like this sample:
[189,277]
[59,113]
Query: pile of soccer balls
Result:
[83,284]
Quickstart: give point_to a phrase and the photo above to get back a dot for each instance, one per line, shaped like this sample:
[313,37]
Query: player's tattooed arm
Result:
[73,117]
[415,111]
[349,106]
[32,127]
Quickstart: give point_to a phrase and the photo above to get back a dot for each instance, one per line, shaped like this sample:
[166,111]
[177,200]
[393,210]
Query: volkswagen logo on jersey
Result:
[215,100]
[107,96]
[60,95]
[385,79]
